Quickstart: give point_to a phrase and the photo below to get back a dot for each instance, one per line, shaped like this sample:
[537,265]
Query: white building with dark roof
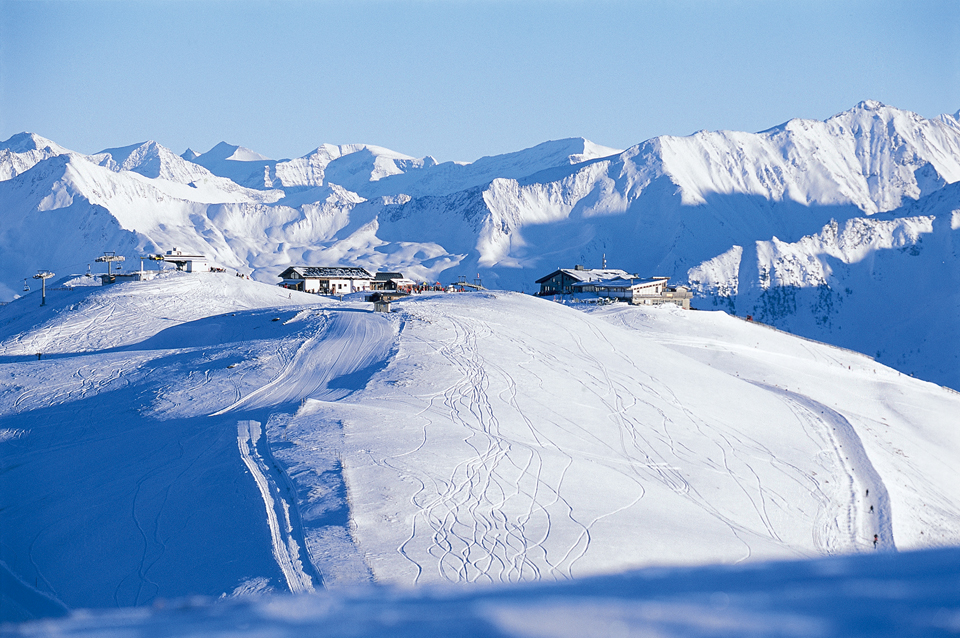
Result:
[391,281]
[184,261]
[326,280]
[649,291]
[614,284]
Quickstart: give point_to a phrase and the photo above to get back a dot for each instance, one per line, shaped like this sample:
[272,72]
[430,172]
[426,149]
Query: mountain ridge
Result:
[669,205]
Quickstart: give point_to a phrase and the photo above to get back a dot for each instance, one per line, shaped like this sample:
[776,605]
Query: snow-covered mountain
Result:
[23,151]
[206,434]
[745,218]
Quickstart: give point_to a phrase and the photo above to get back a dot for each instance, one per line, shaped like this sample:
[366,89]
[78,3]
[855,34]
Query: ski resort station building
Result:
[391,281]
[561,281]
[184,261]
[614,284]
[326,280]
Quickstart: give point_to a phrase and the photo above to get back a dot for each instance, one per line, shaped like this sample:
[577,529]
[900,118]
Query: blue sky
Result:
[458,79]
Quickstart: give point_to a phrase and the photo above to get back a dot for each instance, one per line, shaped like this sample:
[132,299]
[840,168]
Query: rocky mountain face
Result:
[842,230]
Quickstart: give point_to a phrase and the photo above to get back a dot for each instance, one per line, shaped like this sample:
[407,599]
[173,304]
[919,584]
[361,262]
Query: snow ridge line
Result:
[797,336]
[286,551]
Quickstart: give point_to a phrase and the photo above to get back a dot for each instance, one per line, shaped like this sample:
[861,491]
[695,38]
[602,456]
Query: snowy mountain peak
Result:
[152,160]
[23,151]
[592,150]
[125,158]
[869,105]
[231,152]
[26,142]
[951,120]
[190,155]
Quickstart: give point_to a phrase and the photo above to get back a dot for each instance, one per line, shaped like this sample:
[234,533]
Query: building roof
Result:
[387,276]
[587,274]
[326,272]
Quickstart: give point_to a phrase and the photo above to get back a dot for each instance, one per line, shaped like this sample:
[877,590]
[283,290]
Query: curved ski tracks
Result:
[504,513]
[857,506]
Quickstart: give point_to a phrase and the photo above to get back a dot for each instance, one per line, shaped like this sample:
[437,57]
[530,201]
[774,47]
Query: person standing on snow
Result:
[876,538]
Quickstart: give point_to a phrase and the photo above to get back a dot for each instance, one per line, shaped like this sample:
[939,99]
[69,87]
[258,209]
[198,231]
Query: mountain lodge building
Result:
[561,281]
[614,284]
[326,280]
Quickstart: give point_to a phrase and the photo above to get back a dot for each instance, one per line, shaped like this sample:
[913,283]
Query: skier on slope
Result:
[876,538]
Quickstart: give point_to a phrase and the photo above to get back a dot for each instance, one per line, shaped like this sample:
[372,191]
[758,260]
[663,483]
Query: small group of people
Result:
[876,537]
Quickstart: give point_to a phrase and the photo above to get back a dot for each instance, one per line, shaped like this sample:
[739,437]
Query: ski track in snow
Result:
[660,452]
[472,535]
[493,517]
[846,521]
[286,549]
[344,342]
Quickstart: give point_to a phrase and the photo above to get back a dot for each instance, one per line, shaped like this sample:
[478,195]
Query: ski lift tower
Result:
[151,258]
[43,275]
[109,258]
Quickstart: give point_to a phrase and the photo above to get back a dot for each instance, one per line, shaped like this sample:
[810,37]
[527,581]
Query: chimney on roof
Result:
[578,267]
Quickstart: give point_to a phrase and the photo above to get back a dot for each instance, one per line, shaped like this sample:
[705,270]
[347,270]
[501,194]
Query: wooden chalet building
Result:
[326,280]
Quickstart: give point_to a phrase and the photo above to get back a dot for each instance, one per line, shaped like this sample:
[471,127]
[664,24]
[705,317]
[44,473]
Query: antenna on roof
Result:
[43,275]
[604,261]
[110,258]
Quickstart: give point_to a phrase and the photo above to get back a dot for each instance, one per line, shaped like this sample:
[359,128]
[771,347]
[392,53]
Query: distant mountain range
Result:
[843,230]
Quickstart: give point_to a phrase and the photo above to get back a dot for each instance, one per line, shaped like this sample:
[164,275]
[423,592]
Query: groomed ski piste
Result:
[206,435]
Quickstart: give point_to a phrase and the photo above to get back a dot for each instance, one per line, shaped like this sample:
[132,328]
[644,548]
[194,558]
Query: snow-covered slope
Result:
[887,285]
[716,209]
[206,434]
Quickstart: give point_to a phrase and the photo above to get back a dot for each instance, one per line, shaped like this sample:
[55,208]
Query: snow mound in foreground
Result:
[912,594]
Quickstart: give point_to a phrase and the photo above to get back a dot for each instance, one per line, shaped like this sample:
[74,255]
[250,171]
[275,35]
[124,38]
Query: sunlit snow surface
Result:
[209,435]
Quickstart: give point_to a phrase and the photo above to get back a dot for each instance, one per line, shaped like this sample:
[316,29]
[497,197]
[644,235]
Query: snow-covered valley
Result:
[210,435]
